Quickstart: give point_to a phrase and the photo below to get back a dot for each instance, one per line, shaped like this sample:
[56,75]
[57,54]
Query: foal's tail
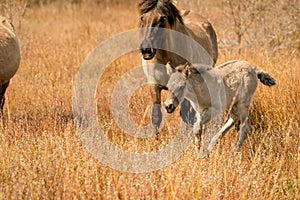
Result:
[264,77]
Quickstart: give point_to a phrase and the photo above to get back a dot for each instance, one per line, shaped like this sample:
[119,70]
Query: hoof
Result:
[237,152]
[205,154]
[238,148]
[157,136]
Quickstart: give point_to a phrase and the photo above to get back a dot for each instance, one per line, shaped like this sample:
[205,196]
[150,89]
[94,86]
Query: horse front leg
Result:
[187,112]
[156,115]
[229,123]
[197,129]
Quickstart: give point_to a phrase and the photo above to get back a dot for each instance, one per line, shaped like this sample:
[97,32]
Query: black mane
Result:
[163,6]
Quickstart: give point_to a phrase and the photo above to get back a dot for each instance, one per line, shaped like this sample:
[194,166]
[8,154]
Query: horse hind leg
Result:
[2,98]
[245,125]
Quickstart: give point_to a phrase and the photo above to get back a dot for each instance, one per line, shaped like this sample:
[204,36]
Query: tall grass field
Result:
[42,156]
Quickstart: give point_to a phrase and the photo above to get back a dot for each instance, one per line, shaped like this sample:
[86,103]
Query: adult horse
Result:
[9,56]
[157,16]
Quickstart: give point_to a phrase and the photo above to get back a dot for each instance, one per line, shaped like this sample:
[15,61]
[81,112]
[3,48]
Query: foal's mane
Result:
[163,6]
[200,68]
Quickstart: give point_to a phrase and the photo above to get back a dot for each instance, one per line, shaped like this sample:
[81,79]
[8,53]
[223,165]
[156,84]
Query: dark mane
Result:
[201,68]
[165,7]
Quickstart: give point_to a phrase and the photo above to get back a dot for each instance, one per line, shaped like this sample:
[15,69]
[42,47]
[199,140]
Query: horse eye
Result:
[163,19]
[142,18]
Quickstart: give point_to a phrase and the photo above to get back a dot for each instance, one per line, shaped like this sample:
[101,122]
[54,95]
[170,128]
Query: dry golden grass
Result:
[42,157]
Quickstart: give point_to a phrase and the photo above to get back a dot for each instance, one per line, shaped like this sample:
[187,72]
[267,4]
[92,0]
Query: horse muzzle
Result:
[148,53]
[170,108]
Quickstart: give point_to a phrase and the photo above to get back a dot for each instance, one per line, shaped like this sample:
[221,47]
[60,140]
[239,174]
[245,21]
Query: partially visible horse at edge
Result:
[235,81]
[155,14]
[9,56]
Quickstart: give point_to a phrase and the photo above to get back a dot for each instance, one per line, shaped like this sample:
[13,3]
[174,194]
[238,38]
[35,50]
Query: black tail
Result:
[266,79]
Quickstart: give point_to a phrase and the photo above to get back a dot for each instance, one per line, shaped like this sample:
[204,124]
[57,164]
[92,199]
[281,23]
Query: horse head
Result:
[177,87]
[155,17]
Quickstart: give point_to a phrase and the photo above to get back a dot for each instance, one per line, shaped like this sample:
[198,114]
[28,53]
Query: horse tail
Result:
[264,77]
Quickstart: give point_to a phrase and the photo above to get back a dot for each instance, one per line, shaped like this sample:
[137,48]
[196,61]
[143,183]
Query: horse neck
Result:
[166,56]
[181,28]
[197,90]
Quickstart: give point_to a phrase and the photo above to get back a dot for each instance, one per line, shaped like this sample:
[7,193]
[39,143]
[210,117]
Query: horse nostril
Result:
[169,108]
[146,50]
[148,53]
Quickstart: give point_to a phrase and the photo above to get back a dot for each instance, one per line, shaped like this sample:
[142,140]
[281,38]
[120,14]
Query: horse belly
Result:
[9,59]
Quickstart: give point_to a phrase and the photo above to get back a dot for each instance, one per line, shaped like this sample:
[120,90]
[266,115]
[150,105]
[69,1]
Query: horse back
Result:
[203,32]
[240,80]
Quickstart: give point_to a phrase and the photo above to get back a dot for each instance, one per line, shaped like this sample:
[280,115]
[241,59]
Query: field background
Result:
[42,157]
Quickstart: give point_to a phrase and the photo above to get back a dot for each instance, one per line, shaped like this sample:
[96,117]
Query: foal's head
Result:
[177,87]
[154,16]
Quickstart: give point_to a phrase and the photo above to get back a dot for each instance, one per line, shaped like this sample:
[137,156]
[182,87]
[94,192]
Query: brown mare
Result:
[9,56]
[157,16]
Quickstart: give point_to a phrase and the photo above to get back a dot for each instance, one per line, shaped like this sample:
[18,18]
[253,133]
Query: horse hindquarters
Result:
[243,106]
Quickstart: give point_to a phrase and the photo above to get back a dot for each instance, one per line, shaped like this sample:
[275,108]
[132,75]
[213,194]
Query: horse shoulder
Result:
[196,23]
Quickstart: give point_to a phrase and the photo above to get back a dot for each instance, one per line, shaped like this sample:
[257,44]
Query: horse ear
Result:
[184,13]
[170,69]
[179,68]
[186,70]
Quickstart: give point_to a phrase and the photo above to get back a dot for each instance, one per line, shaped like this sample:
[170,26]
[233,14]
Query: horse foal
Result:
[230,86]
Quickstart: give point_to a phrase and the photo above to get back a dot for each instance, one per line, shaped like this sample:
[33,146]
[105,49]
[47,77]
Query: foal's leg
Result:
[245,125]
[202,118]
[2,98]
[230,122]
[197,129]
[156,110]
[206,116]
[187,113]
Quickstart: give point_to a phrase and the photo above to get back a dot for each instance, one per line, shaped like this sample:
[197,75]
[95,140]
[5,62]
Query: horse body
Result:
[200,29]
[9,56]
[162,14]
[196,28]
[204,88]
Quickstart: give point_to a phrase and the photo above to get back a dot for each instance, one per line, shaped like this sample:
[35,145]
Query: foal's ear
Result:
[186,71]
[170,69]
[184,13]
